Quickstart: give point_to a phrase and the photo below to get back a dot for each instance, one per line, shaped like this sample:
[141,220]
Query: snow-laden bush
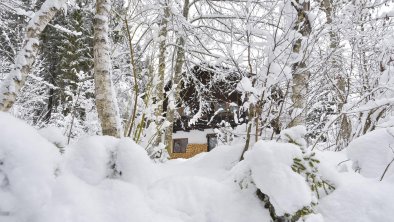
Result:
[372,153]
[106,179]
[37,183]
[55,136]
[97,158]
[270,164]
[28,167]
[285,175]
[91,159]
[360,194]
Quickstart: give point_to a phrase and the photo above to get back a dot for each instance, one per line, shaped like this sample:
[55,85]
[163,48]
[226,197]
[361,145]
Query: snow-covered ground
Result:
[107,179]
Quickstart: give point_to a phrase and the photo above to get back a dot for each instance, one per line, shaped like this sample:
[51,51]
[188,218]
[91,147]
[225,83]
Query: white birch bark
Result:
[106,103]
[300,73]
[162,68]
[24,60]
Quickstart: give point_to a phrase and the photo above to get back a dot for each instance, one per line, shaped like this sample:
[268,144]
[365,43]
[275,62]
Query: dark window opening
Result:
[212,141]
[179,145]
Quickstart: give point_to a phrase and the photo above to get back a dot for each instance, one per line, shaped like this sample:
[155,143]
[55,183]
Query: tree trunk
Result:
[300,73]
[252,116]
[106,103]
[162,69]
[248,130]
[176,81]
[11,86]
[130,124]
[345,127]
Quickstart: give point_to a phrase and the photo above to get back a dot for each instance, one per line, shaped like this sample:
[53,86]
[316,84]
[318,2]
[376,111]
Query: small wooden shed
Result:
[189,144]
[215,100]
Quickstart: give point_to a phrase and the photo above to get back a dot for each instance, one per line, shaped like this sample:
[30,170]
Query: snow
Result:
[89,159]
[107,179]
[314,218]
[27,169]
[65,30]
[372,153]
[194,136]
[245,85]
[53,135]
[357,197]
[182,196]
[134,163]
[270,164]
[104,179]
[294,134]
[222,157]
[45,7]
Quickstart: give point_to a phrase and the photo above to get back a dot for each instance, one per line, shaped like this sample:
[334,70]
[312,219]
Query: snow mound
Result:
[54,135]
[294,135]
[270,165]
[222,157]
[28,167]
[90,158]
[372,152]
[193,198]
[133,162]
[97,158]
[106,179]
[359,199]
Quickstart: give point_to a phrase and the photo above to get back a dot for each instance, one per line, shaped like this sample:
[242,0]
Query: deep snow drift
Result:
[107,179]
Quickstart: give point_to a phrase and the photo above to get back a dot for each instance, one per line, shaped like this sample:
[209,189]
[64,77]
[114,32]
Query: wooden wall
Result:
[191,150]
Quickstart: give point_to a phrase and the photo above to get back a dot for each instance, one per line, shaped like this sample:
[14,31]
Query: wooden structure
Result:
[191,150]
[208,101]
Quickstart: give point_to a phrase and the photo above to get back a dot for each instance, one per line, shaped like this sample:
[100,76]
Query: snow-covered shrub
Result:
[91,159]
[356,197]
[271,171]
[159,153]
[372,153]
[55,136]
[134,163]
[307,165]
[295,135]
[285,175]
[97,158]
[28,167]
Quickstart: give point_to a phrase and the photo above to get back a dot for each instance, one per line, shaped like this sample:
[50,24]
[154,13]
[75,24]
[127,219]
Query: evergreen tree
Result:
[68,49]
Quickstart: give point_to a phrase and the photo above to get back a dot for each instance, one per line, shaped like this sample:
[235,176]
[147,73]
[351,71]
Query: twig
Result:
[388,165]
[343,162]
[385,170]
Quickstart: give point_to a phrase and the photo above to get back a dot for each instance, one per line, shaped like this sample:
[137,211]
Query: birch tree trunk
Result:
[162,69]
[176,81]
[300,73]
[106,103]
[24,60]
[345,124]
